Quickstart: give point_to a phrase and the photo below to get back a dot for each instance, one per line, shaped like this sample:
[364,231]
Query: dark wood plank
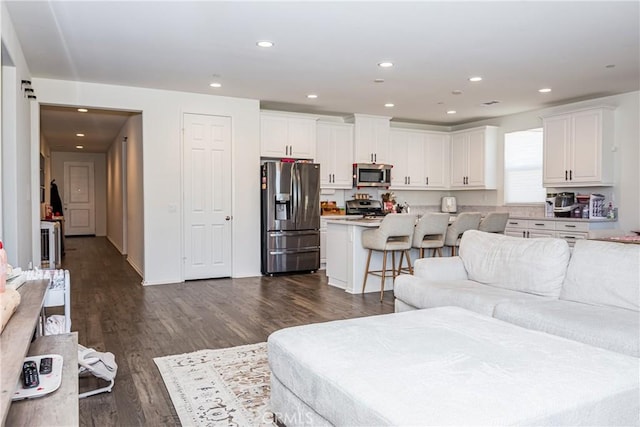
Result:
[112,311]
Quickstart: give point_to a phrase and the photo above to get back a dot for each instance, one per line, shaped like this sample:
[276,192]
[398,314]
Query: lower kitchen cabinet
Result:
[569,230]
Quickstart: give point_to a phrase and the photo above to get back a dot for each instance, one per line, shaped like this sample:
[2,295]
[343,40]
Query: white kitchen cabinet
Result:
[436,161]
[418,159]
[567,229]
[473,158]
[371,139]
[334,152]
[578,148]
[285,135]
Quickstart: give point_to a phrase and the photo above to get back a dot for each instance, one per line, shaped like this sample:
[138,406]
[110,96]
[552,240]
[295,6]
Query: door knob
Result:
[228,218]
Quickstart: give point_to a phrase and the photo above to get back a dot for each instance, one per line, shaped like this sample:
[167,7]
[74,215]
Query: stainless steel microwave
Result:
[371,175]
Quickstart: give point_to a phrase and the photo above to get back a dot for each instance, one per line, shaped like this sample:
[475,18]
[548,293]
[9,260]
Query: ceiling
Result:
[59,126]
[579,49]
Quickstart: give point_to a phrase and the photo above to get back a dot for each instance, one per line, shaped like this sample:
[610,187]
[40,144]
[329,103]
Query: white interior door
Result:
[207,196]
[79,199]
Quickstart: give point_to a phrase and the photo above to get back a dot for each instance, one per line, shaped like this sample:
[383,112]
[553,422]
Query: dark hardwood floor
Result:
[112,311]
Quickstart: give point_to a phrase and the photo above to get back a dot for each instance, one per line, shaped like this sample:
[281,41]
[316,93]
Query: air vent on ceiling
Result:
[490,103]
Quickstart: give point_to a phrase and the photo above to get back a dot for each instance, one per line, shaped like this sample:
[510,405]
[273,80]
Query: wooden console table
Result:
[57,408]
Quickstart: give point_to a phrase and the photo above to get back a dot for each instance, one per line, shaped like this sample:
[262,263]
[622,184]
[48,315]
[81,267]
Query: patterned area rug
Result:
[226,387]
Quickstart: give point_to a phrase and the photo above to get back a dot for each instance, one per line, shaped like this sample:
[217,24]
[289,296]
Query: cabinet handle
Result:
[565,176]
[375,157]
[569,237]
[527,234]
[409,179]
[524,234]
[334,177]
[371,157]
[539,225]
[513,223]
[427,178]
[570,226]
[570,175]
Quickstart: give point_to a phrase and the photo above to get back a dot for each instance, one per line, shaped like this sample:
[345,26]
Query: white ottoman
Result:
[446,366]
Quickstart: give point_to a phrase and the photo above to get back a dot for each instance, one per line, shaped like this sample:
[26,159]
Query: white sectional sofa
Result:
[517,331]
[590,294]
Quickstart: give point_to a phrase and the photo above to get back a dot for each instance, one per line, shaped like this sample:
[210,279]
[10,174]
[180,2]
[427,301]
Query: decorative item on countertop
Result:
[330,208]
[389,202]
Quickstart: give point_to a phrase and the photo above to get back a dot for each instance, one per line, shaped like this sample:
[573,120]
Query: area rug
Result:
[226,387]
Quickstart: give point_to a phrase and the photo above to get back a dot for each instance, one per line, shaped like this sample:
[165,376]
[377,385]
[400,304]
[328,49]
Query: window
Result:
[523,167]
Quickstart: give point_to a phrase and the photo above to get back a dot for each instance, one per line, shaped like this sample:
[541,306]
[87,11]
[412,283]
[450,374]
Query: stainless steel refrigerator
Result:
[290,217]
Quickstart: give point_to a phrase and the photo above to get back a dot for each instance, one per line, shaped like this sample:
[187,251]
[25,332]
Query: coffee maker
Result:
[549,205]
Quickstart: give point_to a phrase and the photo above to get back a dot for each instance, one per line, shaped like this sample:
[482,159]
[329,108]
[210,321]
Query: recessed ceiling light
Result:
[312,96]
[544,90]
[79,147]
[389,105]
[79,134]
[385,64]
[378,81]
[610,66]
[451,112]
[456,92]
[264,43]
[475,79]
[215,84]
[83,110]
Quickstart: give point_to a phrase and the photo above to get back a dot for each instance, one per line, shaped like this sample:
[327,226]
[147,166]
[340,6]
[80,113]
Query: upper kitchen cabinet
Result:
[473,158]
[371,141]
[418,159]
[287,135]
[578,148]
[335,154]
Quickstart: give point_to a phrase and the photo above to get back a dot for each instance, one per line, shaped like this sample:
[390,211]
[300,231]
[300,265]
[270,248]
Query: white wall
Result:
[18,223]
[134,202]
[58,158]
[115,194]
[162,134]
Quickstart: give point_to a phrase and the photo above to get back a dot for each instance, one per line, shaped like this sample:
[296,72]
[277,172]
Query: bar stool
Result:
[430,231]
[464,221]
[494,222]
[394,234]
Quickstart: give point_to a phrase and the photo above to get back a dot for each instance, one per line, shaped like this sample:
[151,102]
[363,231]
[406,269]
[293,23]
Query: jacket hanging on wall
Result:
[56,202]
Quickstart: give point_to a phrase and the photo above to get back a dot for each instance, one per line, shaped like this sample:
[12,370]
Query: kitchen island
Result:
[346,258]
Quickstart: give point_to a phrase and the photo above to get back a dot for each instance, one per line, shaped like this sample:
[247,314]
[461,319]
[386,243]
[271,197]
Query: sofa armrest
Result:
[440,269]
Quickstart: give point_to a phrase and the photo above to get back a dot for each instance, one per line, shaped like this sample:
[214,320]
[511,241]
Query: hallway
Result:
[112,311]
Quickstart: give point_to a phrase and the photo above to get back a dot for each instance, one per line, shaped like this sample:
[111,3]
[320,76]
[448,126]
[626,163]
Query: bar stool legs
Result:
[383,273]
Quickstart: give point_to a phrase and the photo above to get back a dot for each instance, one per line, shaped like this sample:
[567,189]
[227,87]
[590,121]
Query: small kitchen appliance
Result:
[449,204]
[550,204]
[565,204]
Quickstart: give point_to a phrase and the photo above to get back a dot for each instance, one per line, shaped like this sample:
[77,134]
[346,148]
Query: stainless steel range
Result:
[367,208]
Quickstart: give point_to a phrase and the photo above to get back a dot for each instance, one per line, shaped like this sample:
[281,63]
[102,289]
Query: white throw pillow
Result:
[604,273]
[535,266]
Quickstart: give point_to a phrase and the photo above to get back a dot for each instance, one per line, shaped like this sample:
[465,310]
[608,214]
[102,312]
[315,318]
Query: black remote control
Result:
[46,364]
[30,376]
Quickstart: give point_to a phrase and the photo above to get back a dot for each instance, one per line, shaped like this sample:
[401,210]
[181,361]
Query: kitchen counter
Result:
[545,218]
[346,258]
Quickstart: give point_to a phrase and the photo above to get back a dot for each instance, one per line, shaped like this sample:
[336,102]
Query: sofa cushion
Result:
[449,366]
[612,328]
[535,266]
[467,294]
[604,273]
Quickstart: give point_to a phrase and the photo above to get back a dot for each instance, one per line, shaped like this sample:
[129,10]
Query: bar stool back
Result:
[430,231]
[494,222]
[464,221]
[394,234]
